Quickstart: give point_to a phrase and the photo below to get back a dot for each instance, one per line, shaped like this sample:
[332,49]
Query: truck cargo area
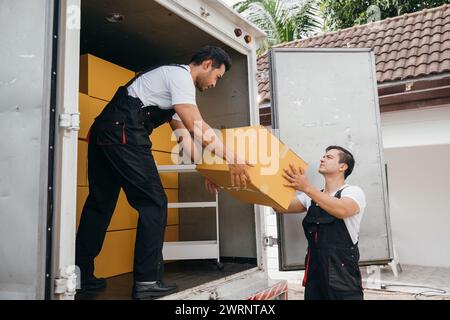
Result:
[136,36]
[186,274]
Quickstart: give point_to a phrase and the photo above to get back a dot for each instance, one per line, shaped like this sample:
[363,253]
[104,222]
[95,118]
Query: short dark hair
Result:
[217,55]
[346,157]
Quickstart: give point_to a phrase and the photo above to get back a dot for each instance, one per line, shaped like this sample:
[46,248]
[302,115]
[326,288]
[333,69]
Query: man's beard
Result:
[199,87]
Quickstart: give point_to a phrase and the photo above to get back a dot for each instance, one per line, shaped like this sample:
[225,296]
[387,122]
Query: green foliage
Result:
[341,14]
[282,20]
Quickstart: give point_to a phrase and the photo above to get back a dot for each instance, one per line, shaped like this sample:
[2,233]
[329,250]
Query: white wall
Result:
[417,151]
[419,193]
[419,127]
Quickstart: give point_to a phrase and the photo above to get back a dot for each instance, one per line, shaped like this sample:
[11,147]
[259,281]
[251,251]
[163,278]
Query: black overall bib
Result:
[119,157]
[332,271]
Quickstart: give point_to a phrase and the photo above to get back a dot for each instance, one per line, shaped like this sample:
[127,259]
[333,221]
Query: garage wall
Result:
[419,192]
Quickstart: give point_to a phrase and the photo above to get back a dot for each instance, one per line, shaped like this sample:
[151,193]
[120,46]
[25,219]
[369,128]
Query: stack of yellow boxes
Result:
[99,80]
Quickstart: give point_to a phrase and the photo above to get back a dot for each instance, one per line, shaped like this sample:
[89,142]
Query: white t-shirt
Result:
[352,223]
[165,87]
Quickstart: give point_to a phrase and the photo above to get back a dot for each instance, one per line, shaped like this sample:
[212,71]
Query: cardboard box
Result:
[82,194]
[173,217]
[83,109]
[172,234]
[161,139]
[100,78]
[82,174]
[89,109]
[169,180]
[125,216]
[269,156]
[164,158]
[117,254]
[172,195]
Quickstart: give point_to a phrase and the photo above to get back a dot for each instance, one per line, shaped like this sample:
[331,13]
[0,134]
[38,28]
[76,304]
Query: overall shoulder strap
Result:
[339,192]
[179,65]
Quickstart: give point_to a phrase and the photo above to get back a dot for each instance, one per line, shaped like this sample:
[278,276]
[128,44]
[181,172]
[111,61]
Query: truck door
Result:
[26,30]
[323,97]
[64,272]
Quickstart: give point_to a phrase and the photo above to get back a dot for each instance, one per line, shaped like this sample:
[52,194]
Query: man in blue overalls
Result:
[119,157]
[331,227]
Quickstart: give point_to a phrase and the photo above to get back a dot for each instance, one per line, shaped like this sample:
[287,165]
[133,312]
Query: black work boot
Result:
[93,284]
[157,289]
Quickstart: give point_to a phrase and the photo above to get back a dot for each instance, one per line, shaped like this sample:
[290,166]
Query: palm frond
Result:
[282,20]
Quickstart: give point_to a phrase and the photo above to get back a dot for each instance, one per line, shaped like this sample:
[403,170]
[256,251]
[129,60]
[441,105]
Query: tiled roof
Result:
[407,46]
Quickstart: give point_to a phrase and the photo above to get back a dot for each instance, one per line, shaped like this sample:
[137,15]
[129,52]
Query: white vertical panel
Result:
[325,97]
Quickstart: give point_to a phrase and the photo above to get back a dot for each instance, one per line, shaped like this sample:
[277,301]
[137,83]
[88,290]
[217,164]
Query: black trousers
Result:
[327,282]
[132,168]
[321,291]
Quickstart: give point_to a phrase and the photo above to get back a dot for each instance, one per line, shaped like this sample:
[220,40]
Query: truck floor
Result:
[186,274]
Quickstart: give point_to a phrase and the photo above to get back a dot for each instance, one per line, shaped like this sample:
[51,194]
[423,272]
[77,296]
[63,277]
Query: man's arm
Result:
[339,208]
[294,207]
[189,147]
[187,144]
[192,119]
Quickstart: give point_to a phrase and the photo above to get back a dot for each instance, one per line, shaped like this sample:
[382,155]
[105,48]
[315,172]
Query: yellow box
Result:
[173,217]
[82,174]
[169,180]
[117,254]
[83,109]
[82,194]
[165,158]
[172,195]
[125,216]
[270,156]
[96,107]
[161,138]
[89,109]
[172,234]
[100,78]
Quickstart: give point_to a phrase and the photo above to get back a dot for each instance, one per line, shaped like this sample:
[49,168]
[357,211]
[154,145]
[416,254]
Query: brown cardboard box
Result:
[82,194]
[164,158]
[173,217]
[172,195]
[83,109]
[89,109]
[172,234]
[266,187]
[100,78]
[169,180]
[117,254]
[161,138]
[125,216]
[82,176]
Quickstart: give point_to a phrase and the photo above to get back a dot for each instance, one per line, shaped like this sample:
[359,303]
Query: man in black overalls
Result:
[331,227]
[119,157]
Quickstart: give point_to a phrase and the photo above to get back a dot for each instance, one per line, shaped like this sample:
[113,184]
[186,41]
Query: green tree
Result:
[341,14]
[282,20]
